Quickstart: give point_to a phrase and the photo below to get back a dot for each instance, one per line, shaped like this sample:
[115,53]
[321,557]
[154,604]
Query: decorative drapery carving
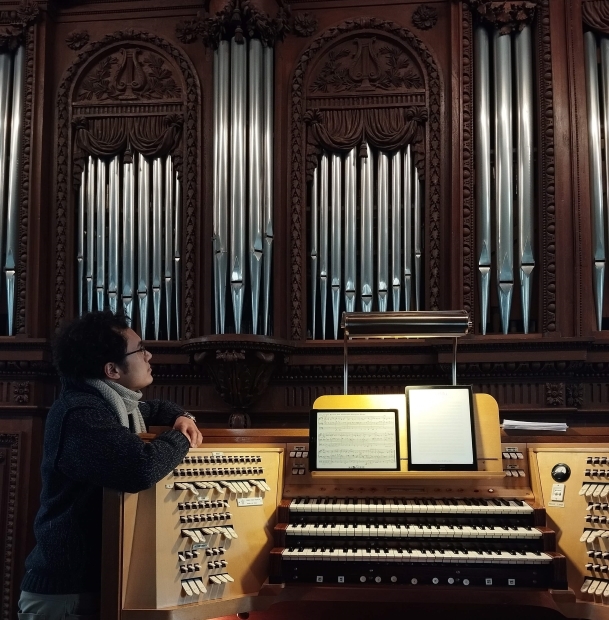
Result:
[508,16]
[238,18]
[152,136]
[350,105]
[388,129]
[595,15]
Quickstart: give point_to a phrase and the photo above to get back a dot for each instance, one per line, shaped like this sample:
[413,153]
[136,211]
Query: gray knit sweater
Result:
[87,448]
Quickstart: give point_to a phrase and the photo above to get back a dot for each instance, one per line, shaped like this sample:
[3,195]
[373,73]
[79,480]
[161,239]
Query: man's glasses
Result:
[140,349]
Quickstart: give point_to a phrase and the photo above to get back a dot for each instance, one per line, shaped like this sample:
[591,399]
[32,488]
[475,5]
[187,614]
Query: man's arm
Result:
[166,413]
[96,448]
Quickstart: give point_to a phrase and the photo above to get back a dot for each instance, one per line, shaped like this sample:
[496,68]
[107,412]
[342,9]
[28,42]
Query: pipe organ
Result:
[129,248]
[384,188]
[511,177]
[239,528]
[242,193]
[11,112]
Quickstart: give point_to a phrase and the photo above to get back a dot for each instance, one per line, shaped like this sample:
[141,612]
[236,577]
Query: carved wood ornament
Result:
[366,81]
[508,16]
[238,18]
[128,91]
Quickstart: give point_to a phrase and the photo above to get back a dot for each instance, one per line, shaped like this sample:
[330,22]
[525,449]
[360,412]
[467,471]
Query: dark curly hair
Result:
[84,346]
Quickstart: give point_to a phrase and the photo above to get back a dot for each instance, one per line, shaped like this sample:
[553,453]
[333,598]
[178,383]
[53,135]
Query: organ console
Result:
[243,524]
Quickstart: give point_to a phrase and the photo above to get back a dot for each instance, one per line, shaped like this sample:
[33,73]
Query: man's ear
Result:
[111,371]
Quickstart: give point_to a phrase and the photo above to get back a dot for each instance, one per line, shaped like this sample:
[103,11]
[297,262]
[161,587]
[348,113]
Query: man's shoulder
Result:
[77,395]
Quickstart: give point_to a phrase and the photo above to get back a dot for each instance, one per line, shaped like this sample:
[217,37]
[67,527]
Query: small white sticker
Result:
[341,579]
[556,504]
[488,582]
[249,501]
[511,582]
[558,492]
[217,453]
[319,579]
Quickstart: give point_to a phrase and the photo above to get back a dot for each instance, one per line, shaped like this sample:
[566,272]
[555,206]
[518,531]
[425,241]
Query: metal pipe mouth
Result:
[411,324]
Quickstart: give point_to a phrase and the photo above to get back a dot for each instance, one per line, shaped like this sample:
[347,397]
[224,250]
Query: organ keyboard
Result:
[216,538]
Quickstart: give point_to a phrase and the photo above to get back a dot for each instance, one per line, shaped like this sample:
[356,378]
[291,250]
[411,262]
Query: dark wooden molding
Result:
[547,169]
[304,24]
[468,194]
[77,39]
[9,472]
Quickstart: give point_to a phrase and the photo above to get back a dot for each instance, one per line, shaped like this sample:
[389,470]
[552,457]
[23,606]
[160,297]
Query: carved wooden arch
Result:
[435,98]
[188,160]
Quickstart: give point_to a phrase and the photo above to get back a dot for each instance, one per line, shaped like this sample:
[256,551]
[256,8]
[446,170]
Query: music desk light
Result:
[441,324]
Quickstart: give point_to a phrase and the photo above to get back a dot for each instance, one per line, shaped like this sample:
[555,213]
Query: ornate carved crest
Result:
[304,25]
[238,18]
[14,24]
[21,393]
[555,394]
[77,39]
[129,74]
[508,15]
[424,17]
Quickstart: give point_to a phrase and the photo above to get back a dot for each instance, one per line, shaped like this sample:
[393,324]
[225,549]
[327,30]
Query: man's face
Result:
[135,371]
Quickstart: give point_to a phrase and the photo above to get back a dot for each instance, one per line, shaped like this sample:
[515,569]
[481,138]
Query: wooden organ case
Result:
[242,524]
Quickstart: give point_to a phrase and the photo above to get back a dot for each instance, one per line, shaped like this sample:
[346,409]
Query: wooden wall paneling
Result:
[585,319]
[567,298]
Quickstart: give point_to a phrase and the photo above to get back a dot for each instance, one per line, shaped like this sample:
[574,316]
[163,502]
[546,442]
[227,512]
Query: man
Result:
[91,442]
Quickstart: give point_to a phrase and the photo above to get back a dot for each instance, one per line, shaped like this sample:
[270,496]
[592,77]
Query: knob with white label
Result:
[466,582]
[394,579]
[377,579]
[414,581]
[362,579]
[451,581]
[435,581]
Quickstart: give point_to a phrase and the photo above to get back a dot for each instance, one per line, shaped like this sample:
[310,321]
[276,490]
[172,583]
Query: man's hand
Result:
[190,429]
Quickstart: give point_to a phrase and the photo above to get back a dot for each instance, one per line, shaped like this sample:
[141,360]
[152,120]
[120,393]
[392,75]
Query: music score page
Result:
[440,427]
[364,440]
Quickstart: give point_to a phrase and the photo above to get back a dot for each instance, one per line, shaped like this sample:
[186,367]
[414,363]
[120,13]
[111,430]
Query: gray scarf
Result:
[123,401]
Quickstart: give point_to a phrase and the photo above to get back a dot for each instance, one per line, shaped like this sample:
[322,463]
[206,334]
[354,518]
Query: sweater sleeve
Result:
[96,448]
[159,412]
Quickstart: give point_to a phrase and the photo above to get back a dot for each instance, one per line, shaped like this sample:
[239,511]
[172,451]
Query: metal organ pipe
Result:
[524,91]
[314,246]
[255,180]
[596,173]
[113,231]
[336,239]
[366,228]
[382,265]
[267,190]
[6,77]
[504,174]
[14,169]
[417,225]
[176,252]
[350,229]
[237,190]
[483,168]
[157,240]
[100,234]
[90,260]
[80,245]
[396,229]
[407,228]
[323,241]
[128,238]
[220,199]
[168,238]
[143,270]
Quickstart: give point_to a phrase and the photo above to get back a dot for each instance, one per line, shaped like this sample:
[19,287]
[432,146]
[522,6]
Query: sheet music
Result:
[440,427]
[356,440]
